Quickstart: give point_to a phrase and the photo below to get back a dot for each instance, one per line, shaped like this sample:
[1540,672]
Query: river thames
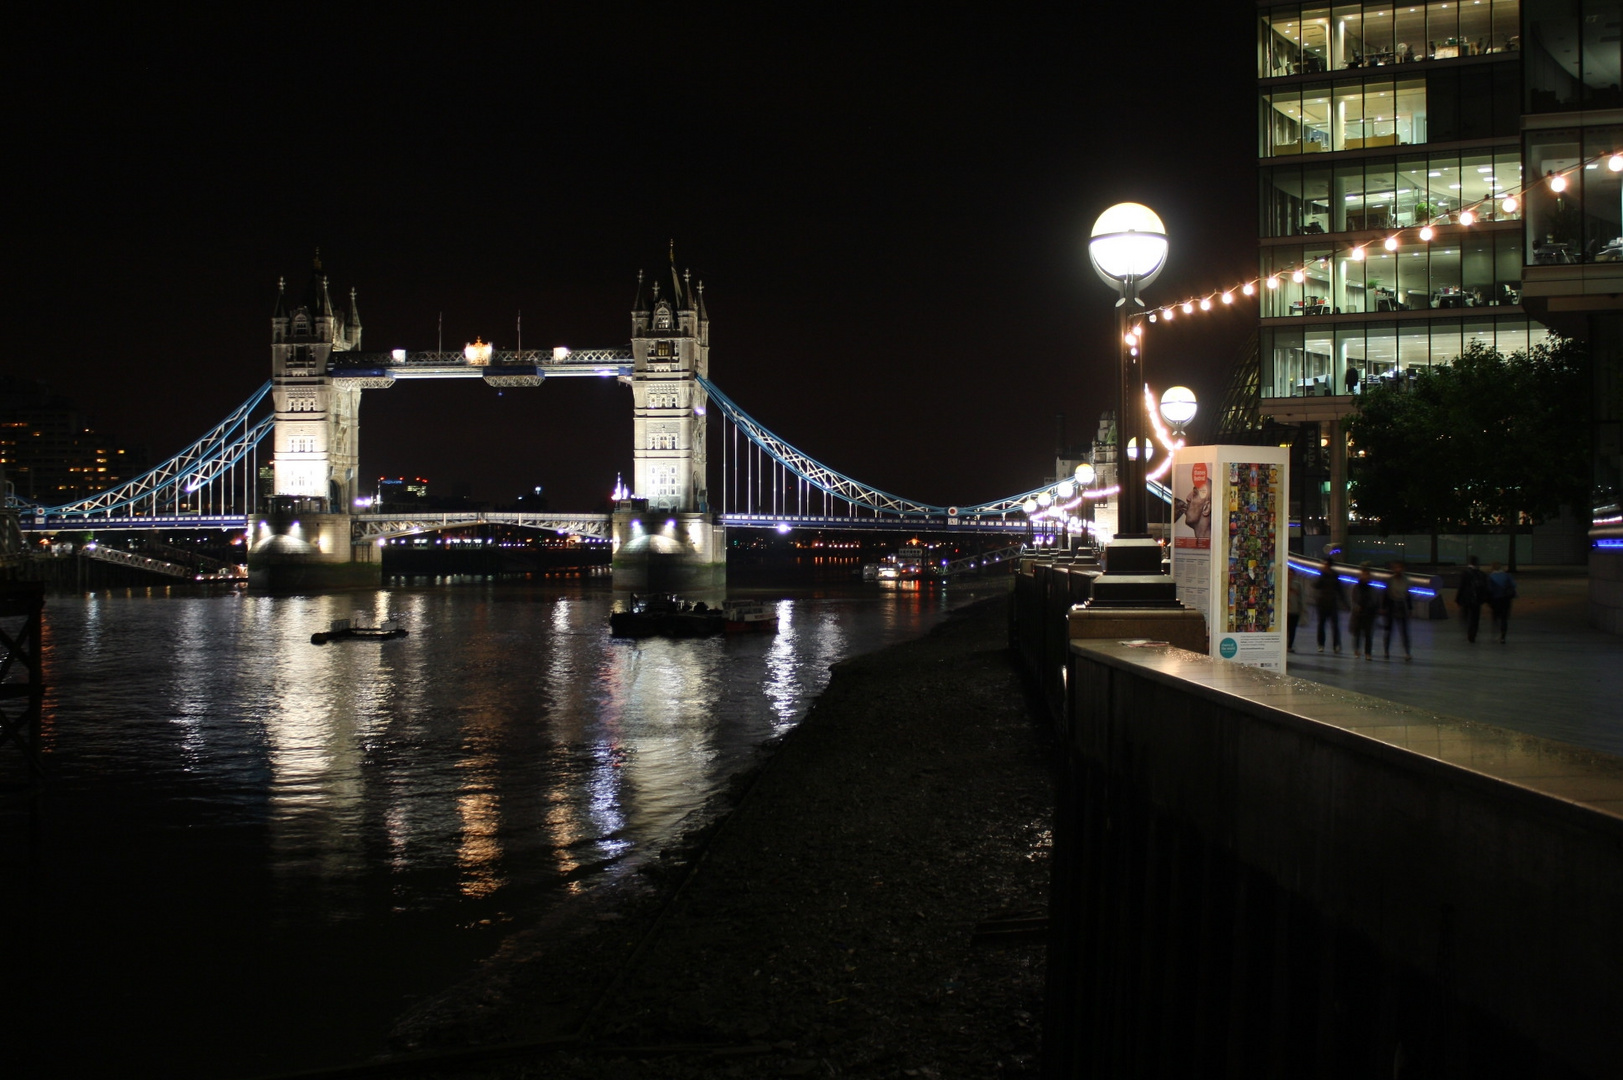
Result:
[255,853]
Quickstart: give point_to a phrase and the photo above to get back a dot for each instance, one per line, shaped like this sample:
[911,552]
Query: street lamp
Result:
[1178,408]
[1085,475]
[1128,248]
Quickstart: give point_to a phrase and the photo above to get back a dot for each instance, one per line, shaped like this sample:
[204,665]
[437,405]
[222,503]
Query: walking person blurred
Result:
[1363,614]
[1471,595]
[1501,591]
[1328,599]
[1397,608]
[1296,600]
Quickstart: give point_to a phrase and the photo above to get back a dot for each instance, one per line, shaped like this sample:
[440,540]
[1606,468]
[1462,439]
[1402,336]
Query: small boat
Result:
[666,615]
[749,617]
[342,631]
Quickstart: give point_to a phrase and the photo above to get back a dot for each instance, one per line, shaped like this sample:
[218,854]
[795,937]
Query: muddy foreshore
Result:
[873,905]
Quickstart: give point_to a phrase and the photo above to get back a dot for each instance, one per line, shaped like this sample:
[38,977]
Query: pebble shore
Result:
[873,905]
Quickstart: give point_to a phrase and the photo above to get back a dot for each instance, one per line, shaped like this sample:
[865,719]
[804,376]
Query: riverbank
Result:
[873,905]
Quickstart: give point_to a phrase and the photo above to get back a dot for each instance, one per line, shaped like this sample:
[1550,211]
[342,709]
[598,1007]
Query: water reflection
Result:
[211,765]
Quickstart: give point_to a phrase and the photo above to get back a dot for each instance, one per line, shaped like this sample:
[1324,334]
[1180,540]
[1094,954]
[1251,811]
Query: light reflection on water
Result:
[214,770]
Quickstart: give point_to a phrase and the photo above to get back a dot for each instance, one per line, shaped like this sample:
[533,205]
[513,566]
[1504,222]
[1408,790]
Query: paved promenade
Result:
[1555,676]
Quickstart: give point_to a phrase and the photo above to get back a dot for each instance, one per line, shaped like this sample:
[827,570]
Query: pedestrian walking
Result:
[1363,614]
[1471,595]
[1296,601]
[1328,599]
[1501,591]
[1397,603]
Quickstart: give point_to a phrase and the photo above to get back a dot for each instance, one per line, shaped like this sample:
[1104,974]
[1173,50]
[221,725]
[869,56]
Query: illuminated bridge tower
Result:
[317,438]
[302,539]
[665,536]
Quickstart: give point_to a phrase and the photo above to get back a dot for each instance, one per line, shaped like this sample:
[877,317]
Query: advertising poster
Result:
[1250,628]
[1192,511]
[1230,517]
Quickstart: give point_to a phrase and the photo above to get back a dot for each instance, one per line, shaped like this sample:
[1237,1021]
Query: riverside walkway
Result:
[1555,676]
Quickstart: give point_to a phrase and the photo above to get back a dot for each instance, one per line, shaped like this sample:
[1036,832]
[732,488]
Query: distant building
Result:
[50,452]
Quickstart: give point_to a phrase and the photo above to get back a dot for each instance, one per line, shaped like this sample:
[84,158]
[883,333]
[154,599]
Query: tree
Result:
[1488,441]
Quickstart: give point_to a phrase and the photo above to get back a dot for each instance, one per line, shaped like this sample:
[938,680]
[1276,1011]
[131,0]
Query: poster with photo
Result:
[1192,505]
[1193,511]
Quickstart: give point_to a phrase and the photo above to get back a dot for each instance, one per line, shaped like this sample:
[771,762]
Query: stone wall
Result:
[1259,876]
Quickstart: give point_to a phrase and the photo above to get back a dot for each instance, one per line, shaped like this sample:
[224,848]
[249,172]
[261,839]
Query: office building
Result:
[1405,154]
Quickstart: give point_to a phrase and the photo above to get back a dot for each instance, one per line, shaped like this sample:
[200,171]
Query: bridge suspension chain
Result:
[842,487]
[205,462]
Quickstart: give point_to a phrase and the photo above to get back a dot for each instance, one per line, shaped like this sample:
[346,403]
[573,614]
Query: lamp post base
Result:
[1132,576]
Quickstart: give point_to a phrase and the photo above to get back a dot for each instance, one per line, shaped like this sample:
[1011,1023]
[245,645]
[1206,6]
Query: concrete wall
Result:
[1259,876]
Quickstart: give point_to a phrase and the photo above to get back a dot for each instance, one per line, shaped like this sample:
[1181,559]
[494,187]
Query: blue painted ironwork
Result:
[162,489]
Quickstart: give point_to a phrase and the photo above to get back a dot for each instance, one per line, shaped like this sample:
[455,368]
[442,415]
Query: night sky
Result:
[889,213]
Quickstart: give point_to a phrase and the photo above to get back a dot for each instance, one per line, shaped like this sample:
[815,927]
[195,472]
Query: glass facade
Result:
[1584,222]
[1462,268]
[1573,57]
[1418,110]
[1314,361]
[1371,193]
[1308,39]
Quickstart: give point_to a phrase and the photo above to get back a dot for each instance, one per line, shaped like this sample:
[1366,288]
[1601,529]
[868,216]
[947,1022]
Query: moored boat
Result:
[651,616]
[342,630]
[749,617]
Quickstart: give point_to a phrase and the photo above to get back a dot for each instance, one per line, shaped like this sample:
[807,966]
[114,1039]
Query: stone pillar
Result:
[1337,523]
[667,552]
[294,549]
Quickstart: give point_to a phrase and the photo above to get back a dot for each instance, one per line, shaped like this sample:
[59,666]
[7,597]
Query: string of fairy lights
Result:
[1071,493]
[1469,214]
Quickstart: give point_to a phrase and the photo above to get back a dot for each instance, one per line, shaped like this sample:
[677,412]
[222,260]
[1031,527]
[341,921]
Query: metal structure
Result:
[503,367]
[381,527]
[217,472]
[22,680]
[755,489]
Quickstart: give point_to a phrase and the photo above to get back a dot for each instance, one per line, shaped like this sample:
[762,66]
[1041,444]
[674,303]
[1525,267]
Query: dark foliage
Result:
[1487,441]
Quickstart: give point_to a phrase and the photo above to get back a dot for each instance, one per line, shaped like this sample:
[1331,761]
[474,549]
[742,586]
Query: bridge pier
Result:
[667,551]
[293,548]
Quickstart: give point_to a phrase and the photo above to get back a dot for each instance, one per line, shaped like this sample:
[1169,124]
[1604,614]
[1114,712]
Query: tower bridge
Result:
[667,530]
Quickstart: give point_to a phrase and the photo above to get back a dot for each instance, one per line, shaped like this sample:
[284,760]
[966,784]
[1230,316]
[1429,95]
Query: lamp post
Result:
[1128,248]
[1178,407]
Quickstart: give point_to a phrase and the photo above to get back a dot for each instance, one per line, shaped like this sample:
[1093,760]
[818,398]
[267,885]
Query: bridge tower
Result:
[670,347]
[303,538]
[317,422]
[665,535]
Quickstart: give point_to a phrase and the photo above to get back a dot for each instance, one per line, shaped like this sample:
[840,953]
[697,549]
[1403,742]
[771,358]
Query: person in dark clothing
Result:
[1501,591]
[1397,608]
[1471,595]
[1362,623]
[1328,599]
